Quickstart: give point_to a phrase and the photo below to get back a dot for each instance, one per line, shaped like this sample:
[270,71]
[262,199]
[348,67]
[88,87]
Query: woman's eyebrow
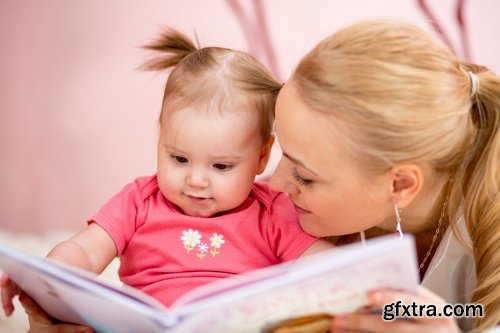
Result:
[298,162]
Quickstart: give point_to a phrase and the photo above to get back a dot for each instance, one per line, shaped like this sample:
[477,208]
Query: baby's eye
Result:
[179,159]
[223,166]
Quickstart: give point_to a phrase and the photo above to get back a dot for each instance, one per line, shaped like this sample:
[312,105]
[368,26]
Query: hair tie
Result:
[474,83]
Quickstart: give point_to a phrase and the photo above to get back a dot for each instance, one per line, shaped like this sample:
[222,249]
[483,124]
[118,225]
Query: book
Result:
[333,282]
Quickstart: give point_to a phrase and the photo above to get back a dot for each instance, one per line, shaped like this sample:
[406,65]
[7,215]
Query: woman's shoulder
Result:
[454,250]
[451,273]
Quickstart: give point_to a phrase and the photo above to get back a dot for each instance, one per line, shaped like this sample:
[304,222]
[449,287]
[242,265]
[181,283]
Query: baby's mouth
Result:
[198,199]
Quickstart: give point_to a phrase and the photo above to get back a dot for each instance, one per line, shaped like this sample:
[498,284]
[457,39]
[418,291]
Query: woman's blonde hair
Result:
[405,97]
[221,78]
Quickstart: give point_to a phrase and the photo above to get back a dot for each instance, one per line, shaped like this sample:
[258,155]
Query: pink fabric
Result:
[147,231]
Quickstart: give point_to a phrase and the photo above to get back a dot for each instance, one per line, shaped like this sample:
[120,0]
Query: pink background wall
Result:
[78,121]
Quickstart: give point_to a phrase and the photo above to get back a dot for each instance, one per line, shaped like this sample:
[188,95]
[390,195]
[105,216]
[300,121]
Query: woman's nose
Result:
[282,181]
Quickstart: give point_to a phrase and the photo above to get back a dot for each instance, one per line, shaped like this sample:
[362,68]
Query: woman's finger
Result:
[383,296]
[40,322]
[33,310]
[411,312]
[374,323]
[425,306]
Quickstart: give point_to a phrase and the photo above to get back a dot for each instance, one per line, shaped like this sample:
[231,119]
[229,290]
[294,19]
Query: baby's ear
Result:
[265,153]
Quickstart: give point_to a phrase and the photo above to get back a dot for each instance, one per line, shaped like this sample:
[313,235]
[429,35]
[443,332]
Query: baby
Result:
[201,217]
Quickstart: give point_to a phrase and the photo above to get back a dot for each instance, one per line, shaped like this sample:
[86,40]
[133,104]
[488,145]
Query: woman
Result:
[405,138]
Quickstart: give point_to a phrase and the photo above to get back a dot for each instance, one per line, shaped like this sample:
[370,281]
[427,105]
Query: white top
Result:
[452,271]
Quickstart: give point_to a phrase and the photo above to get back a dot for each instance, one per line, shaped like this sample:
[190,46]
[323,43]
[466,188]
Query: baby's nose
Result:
[197,178]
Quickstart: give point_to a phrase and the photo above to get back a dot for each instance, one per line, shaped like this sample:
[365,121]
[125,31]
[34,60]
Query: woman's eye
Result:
[179,159]
[300,180]
[222,166]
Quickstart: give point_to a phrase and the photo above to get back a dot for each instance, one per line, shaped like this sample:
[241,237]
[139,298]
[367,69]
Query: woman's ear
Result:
[407,181]
[265,153]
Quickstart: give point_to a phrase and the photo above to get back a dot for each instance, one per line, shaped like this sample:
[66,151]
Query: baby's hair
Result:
[170,42]
[220,78]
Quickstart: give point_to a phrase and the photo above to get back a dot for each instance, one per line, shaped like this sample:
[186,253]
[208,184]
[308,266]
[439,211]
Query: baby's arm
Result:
[318,246]
[91,249]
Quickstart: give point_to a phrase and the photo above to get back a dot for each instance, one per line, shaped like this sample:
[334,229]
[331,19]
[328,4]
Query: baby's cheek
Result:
[235,190]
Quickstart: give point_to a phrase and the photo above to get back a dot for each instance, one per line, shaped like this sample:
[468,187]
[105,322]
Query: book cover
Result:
[334,281]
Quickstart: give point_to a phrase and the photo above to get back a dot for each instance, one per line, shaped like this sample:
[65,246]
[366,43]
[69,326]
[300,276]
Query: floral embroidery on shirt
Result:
[202,249]
[216,242]
[192,239]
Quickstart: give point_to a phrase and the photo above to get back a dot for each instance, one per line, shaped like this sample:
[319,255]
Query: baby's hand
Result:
[8,291]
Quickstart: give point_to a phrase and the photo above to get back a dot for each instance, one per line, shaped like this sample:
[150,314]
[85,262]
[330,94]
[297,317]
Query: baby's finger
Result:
[8,292]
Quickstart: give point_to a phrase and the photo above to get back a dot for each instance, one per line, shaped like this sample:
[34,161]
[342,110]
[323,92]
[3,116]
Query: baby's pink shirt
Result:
[166,253]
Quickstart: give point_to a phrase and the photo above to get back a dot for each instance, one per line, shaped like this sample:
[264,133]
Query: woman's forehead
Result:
[303,133]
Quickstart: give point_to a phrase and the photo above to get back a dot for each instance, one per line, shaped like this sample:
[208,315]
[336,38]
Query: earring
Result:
[398,220]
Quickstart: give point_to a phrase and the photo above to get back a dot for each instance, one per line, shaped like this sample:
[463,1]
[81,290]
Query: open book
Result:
[334,281]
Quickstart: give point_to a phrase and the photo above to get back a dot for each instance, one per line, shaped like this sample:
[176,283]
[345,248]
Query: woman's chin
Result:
[314,227]
[311,228]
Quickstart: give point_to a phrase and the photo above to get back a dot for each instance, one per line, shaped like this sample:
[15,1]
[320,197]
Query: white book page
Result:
[336,281]
[73,295]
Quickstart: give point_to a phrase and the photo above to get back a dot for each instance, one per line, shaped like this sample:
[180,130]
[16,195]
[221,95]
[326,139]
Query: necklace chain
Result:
[436,233]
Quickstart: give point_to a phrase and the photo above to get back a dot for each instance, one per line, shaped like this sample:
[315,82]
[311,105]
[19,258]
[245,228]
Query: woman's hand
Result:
[370,322]
[40,322]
